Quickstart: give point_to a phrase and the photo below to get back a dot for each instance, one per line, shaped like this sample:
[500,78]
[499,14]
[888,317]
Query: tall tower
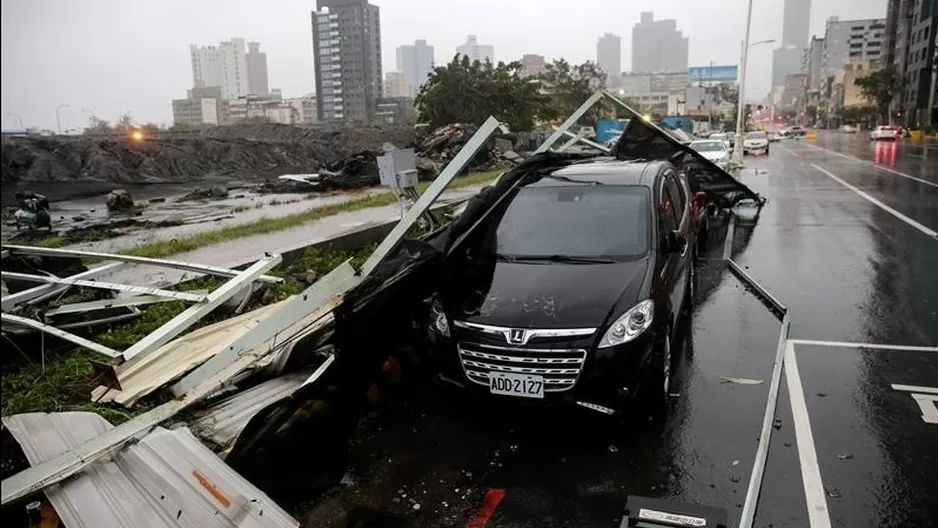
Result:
[795,23]
[609,57]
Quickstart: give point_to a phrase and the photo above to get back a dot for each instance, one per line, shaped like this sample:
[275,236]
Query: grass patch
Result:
[164,248]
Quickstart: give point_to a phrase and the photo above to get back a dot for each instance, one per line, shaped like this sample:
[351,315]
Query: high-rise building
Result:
[795,23]
[657,45]
[476,51]
[786,61]
[415,62]
[609,58]
[257,69]
[911,27]
[847,41]
[815,68]
[532,64]
[224,66]
[347,59]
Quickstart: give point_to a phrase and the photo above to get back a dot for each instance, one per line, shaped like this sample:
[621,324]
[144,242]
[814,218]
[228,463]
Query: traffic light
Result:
[898,113]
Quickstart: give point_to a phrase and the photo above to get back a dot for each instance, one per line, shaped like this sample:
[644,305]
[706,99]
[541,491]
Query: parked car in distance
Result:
[774,136]
[756,142]
[848,129]
[571,290]
[715,150]
[884,132]
[795,132]
[723,137]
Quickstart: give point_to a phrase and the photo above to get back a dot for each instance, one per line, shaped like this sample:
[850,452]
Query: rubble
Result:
[119,200]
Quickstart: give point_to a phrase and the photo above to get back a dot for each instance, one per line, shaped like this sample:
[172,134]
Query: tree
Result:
[466,91]
[880,88]
[569,85]
[98,127]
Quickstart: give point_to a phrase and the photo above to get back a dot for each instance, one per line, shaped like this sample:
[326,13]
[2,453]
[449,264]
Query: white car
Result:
[714,150]
[848,129]
[722,136]
[756,142]
[884,132]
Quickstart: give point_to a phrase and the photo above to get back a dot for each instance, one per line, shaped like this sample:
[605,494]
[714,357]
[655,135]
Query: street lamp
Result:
[738,146]
[58,120]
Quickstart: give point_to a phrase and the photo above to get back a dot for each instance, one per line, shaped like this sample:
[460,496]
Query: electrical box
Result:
[398,169]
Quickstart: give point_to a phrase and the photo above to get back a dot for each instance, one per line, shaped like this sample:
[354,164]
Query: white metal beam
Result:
[281,326]
[587,141]
[175,264]
[10,301]
[61,334]
[571,142]
[113,302]
[176,325]
[127,288]
[574,117]
[429,196]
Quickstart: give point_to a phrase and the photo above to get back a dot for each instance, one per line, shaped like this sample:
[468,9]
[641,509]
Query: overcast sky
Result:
[114,56]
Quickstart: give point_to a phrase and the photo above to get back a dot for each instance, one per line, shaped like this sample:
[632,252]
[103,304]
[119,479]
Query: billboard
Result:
[712,74]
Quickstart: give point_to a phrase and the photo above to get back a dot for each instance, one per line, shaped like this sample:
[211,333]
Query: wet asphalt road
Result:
[851,253]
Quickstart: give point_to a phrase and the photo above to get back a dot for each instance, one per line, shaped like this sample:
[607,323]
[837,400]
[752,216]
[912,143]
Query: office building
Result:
[609,57]
[532,65]
[224,66]
[395,85]
[202,106]
[476,51]
[415,62]
[347,59]
[305,107]
[257,69]
[847,41]
[815,67]
[911,27]
[658,46]
[795,89]
[787,60]
[844,91]
[634,83]
[795,23]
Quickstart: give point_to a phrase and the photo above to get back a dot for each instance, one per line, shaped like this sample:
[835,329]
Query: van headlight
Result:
[438,321]
[630,325]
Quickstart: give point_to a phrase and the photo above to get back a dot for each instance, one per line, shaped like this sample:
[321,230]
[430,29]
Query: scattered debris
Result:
[777,424]
[119,200]
[742,381]
[845,456]
[832,492]
[735,478]
[613,449]
[736,462]
[822,394]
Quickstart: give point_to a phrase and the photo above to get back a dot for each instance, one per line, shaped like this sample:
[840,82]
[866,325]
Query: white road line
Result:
[870,163]
[874,201]
[843,344]
[914,388]
[818,515]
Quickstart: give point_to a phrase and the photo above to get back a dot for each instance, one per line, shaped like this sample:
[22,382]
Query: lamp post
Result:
[58,120]
[740,117]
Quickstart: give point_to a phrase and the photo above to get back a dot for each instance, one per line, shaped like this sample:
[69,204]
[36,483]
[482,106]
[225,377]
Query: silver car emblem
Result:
[516,336]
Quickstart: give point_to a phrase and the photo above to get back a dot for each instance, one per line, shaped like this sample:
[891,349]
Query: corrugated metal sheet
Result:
[143,375]
[224,421]
[167,479]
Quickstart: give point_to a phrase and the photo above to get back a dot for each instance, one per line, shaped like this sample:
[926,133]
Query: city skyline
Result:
[105,78]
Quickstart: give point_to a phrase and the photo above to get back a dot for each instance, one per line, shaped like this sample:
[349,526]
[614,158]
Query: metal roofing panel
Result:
[167,479]
[224,421]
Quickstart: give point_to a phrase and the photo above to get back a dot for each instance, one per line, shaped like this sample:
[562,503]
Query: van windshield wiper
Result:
[563,258]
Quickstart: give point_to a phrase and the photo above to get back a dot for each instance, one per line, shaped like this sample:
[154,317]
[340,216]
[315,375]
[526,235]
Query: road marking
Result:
[870,163]
[818,515]
[843,344]
[490,503]
[874,201]
[928,404]
[914,388]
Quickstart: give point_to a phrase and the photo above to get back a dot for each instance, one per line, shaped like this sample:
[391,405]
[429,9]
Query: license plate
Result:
[523,385]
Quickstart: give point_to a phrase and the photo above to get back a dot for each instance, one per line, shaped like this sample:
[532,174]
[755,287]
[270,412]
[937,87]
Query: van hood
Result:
[543,294]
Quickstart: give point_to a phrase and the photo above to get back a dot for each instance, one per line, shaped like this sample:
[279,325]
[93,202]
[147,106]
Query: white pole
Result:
[738,147]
